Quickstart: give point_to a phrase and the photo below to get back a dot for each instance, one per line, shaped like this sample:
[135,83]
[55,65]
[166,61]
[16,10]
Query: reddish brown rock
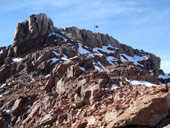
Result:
[17,106]
[72,78]
[61,118]
[146,111]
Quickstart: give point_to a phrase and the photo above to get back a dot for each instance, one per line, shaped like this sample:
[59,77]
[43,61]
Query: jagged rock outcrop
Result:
[26,33]
[37,25]
[98,40]
[75,78]
[91,39]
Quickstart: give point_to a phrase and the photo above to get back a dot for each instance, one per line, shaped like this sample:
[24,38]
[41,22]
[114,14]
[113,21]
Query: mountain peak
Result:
[71,77]
[36,26]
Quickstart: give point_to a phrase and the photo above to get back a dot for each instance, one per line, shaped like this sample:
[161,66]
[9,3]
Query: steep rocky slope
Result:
[73,78]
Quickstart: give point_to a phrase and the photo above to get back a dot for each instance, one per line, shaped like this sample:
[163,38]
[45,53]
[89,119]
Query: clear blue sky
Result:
[142,24]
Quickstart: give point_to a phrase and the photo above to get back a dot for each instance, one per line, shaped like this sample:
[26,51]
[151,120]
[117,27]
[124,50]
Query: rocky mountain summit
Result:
[73,78]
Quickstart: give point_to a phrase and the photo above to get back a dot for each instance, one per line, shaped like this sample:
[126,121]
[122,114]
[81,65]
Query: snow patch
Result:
[111,58]
[91,54]
[82,68]
[64,58]
[97,68]
[134,59]
[1,95]
[151,71]
[100,64]
[104,49]
[28,107]
[17,59]
[8,111]
[1,51]
[82,50]
[98,54]
[166,76]
[137,82]
[114,86]
[54,60]
[55,53]
[71,45]
[58,35]
[47,76]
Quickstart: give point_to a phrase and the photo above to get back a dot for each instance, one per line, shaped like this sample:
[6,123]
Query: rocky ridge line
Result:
[61,78]
[98,40]
[33,33]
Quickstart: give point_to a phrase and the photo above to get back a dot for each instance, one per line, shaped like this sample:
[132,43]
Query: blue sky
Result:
[142,24]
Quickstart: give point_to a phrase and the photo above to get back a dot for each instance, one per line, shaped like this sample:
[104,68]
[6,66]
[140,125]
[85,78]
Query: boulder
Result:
[61,118]
[17,106]
[6,71]
[146,111]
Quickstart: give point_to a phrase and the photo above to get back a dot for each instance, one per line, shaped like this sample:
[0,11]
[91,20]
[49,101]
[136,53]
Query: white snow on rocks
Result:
[47,76]
[137,82]
[151,71]
[28,107]
[1,95]
[134,59]
[98,54]
[111,58]
[54,60]
[82,50]
[97,68]
[166,76]
[104,49]
[114,86]
[17,59]
[65,58]
[100,64]
[8,111]
[55,53]
[82,68]
[58,35]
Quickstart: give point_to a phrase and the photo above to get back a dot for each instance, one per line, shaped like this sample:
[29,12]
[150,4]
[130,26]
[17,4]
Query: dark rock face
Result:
[6,71]
[75,78]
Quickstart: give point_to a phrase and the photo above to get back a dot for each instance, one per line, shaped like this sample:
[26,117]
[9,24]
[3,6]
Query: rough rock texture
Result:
[37,26]
[147,111]
[72,78]
[97,40]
